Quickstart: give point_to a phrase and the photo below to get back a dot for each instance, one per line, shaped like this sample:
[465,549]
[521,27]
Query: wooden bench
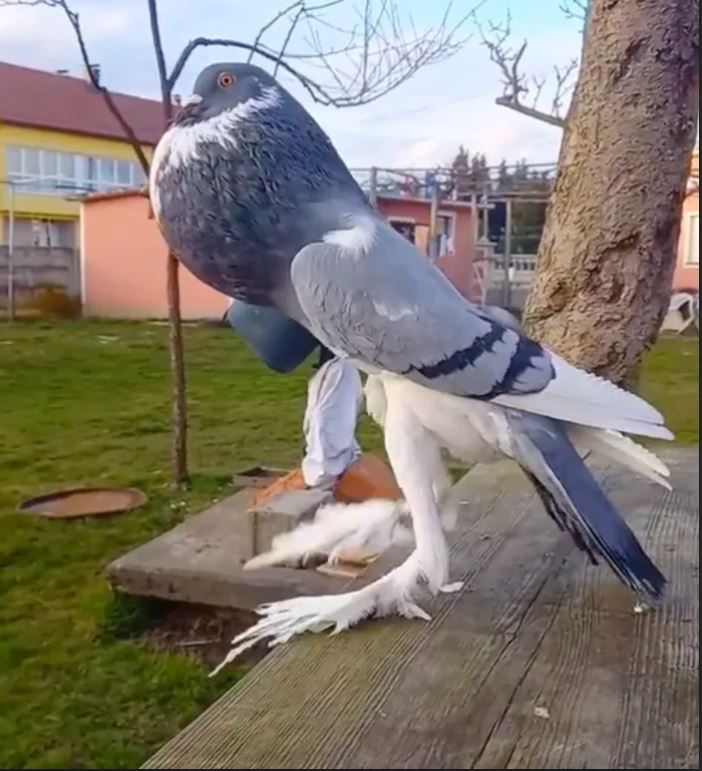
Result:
[540,662]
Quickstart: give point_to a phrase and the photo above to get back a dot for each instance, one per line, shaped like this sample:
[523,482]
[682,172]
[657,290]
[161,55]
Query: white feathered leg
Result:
[416,460]
[413,455]
[281,621]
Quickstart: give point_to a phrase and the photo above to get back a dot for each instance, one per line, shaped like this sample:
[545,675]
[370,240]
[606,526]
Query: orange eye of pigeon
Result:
[225,80]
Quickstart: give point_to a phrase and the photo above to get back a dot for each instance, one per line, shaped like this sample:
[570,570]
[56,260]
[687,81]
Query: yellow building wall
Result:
[50,206]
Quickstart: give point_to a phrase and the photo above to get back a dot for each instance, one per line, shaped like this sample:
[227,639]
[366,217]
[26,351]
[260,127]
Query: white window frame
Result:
[86,173]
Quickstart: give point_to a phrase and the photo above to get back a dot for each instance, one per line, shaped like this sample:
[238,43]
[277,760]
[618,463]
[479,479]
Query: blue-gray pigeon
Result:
[253,198]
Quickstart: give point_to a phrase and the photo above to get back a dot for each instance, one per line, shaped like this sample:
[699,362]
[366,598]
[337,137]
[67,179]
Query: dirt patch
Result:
[203,631]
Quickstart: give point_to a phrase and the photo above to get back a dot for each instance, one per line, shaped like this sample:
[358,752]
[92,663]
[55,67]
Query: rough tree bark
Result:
[608,250]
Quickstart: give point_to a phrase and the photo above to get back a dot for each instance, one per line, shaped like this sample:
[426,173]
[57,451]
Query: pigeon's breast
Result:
[216,213]
[238,198]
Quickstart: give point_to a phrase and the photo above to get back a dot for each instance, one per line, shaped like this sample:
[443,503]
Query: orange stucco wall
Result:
[124,259]
[124,265]
[458,265]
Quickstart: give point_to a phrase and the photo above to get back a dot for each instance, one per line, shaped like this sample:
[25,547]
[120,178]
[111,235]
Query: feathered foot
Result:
[373,525]
[281,621]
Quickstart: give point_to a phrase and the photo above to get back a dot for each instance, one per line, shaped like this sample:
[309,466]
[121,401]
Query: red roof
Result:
[63,103]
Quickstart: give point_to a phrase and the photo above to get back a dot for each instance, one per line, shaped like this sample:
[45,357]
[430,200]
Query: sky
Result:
[419,124]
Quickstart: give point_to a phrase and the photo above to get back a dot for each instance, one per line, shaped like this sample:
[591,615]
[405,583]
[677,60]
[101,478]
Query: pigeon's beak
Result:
[189,108]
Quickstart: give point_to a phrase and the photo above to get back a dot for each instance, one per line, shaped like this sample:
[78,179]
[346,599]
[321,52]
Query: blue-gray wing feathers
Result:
[391,308]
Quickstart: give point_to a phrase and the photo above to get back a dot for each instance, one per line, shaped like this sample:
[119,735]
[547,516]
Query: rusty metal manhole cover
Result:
[84,502]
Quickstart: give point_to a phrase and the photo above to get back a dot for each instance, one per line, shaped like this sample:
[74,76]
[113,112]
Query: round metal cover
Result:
[84,502]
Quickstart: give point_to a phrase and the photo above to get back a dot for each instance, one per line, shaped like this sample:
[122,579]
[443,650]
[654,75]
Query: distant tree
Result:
[504,178]
[460,174]
[480,174]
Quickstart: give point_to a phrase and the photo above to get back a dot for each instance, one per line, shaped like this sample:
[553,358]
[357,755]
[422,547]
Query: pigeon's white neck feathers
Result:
[181,144]
[358,237]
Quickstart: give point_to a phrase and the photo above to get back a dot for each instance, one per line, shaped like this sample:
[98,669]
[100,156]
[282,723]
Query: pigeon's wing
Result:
[389,307]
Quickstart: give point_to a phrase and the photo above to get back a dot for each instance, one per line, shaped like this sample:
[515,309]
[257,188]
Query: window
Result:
[692,255]
[14,161]
[124,172]
[49,164]
[406,228]
[50,172]
[106,172]
[67,168]
[444,232]
[44,233]
[48,177]
[30,161]
[138,174]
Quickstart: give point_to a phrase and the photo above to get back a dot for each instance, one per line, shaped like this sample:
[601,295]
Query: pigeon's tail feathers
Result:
[578,505]
[579,397]
[620,449]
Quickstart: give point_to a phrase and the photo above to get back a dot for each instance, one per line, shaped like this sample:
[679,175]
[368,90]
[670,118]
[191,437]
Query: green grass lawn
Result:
[88,403]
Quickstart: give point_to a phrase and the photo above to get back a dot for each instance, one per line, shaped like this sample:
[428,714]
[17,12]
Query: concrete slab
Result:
[201,559]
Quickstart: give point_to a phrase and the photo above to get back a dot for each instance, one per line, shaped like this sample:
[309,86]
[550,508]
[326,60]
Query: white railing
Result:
[521,271]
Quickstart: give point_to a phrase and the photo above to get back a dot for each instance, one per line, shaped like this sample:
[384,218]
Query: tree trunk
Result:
[179,440]
[179,402]
[609,246]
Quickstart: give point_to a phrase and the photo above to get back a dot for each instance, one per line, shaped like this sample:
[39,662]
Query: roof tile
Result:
[49,100]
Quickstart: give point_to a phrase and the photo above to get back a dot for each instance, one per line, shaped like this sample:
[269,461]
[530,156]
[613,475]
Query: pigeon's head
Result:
[225,86]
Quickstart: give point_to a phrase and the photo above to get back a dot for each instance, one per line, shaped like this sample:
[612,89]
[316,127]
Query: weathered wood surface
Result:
[539,662]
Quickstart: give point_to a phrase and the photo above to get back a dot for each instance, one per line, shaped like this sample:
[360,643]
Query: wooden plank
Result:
[538,663]
[606,689]
[339,684]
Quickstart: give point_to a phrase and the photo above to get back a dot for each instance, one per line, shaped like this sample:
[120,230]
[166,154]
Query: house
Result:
[123,257]
[456,234]
[57,139]
[687,268]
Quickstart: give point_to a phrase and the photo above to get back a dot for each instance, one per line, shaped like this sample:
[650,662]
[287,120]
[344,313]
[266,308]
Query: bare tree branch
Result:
[514,84]
[291,31]
[563,85]
[538,86]
[384,61]
[575,9]
[179,404]
[314,90]
[380,57]
[271,23]
[166,91]
[385,58]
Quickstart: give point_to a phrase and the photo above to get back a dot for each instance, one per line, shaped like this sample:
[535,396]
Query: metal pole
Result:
[10,260]
[374,187]
[486,217]
[433,223]
[506,288]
